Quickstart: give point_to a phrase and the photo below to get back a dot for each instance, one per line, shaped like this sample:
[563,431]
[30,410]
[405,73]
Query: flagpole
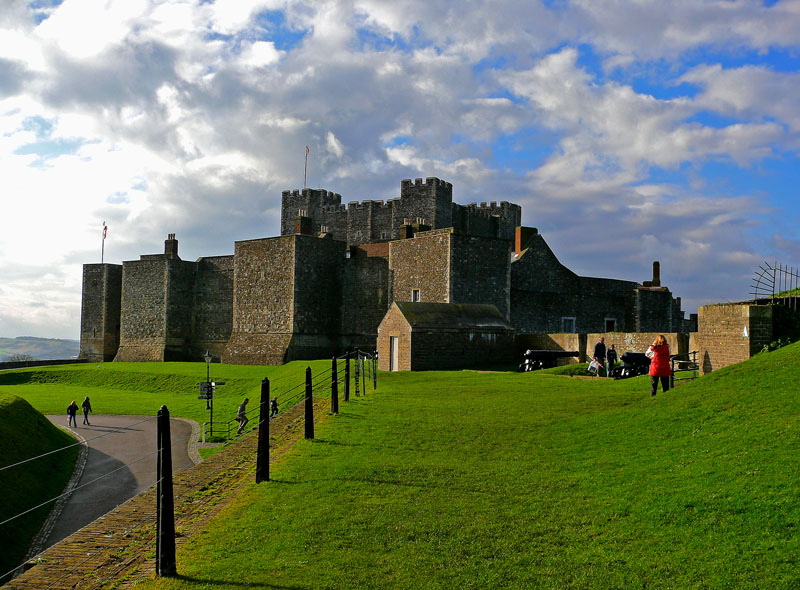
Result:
[103,246]
[305,170]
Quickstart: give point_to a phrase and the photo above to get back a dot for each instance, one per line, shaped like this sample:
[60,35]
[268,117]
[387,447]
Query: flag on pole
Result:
[305,170]
[105,230]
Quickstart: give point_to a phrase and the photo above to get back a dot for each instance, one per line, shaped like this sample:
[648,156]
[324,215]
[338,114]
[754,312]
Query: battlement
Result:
[431,181]
[330,196]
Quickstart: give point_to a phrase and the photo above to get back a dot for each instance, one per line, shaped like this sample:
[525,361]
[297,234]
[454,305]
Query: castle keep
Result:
[326,283]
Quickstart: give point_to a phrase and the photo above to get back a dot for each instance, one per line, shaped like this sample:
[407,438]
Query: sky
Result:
[628,131]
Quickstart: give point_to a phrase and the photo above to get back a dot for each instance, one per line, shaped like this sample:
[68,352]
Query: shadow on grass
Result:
[221,583]
[335,443]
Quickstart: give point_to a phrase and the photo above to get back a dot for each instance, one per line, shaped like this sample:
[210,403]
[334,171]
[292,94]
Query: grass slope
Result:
[25,433]
[142,388]
[461,479]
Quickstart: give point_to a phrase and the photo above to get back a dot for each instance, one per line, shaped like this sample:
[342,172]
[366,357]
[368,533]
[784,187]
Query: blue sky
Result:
[628,131]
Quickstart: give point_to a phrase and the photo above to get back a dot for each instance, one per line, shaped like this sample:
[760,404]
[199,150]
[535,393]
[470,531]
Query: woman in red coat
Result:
[659,364]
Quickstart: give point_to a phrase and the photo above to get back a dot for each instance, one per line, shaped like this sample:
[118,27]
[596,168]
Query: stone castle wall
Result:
[480,271]
[212,307]
[262,326]
[100,311]
[730,333]
[143,316]
[365,299]
[422,262]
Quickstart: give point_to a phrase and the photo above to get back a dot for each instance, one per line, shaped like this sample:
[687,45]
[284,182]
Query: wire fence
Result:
[288,401]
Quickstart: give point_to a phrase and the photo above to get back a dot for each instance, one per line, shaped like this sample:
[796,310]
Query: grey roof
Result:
[453,316]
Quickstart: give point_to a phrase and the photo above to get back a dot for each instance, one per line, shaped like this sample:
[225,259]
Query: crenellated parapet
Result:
[429,201]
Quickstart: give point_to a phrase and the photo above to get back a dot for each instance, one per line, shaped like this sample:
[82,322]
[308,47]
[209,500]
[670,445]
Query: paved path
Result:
[122,448]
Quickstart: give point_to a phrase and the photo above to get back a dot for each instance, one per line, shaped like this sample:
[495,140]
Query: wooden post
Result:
[165,503]
[262,454]
[347,377]
[334,387]
[309,406]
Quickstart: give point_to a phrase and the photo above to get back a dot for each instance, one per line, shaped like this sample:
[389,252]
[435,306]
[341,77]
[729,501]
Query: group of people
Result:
[657,352]
[241,414]
[72,412]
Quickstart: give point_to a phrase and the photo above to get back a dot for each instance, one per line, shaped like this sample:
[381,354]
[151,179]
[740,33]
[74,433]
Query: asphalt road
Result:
[121,463]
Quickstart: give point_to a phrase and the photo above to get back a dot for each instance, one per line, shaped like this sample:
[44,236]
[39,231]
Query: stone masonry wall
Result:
[639,341]
[263,299]
[143,314]
[365,299]
[179,312]
[480,271]
[213,306]
[318,267]
[100,311]
[421,262]
[721,340]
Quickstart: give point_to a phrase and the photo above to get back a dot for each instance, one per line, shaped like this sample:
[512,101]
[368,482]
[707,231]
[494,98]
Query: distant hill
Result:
[40,349]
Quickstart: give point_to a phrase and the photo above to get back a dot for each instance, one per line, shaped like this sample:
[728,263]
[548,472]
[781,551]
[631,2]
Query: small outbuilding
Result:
[433,336]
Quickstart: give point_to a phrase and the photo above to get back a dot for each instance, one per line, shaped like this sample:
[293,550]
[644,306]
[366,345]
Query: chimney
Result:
[407,229]
[656,273]
[522,236]
[171,246]
[303,223]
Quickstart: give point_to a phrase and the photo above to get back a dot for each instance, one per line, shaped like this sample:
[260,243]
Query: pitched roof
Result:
[452,316]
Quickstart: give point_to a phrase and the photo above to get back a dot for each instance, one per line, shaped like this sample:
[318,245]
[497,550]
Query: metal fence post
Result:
[165,504]
[375,370]
[309,406]
[262,455]
[334,387]
[357,375]
[363,375]
[347,377]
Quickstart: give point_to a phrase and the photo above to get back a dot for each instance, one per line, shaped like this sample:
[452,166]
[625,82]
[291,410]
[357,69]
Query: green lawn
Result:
[142,388]
[475,480]
[503,480]
[25,433]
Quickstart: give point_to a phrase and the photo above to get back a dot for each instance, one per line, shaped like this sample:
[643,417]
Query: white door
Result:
[393,354]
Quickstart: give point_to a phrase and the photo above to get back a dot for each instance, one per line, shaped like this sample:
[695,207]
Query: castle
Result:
[328,280]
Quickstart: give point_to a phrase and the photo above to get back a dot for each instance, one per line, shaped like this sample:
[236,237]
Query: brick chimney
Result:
[523,235]
[656,273]
[171,246]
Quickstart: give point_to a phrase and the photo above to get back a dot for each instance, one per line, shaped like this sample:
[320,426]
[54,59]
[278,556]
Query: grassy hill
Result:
[25,433]
[505,480]
[39,348]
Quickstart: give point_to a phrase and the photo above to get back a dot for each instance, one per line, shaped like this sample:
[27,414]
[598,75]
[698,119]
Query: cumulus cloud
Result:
[191,117]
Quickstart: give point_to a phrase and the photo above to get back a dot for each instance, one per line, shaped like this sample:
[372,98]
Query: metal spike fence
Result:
[776,284]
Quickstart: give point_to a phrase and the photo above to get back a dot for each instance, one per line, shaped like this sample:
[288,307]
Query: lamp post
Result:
[210,399]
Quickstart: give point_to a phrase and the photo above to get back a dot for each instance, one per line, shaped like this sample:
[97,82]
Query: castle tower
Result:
[100,311]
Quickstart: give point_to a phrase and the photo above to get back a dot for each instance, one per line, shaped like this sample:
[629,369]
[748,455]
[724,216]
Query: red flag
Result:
[105,230]
[306,150]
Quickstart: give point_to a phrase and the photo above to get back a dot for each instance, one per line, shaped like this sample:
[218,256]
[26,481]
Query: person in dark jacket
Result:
[274,407]
[241,415]
[659,364]
[600,353]
[72,411]
[611,359]
[87,409]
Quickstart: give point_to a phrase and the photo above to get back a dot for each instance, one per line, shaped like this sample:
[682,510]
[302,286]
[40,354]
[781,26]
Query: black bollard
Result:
[309,406]
[347,376]
[334,388]
[262,454]
[165,503]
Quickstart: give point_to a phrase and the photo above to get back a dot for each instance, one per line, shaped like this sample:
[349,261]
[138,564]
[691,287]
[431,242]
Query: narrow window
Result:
[415,295]
[611,325]
[567,325]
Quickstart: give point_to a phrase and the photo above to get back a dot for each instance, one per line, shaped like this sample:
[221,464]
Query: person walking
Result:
[600,353]
[273,407]
[241,416]
[72,411]
[611,359]
[659,364]
[87,409]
